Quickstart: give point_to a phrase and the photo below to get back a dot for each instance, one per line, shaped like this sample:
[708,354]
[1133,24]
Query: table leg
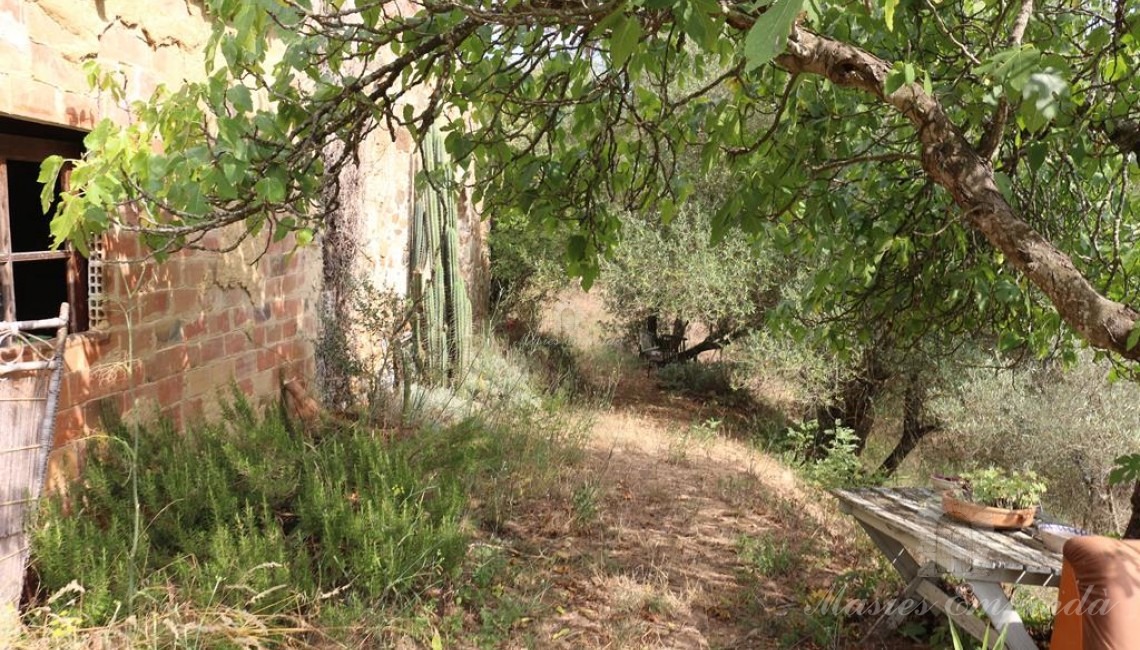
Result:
[908,568]
[903,606]
[958,612]
[1003,616]
[900,558]
[921,586]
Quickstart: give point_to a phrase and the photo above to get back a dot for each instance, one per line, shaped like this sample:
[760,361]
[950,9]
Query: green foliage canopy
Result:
[935,158]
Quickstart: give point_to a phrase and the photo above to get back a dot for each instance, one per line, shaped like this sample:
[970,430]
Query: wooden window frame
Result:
[35,150]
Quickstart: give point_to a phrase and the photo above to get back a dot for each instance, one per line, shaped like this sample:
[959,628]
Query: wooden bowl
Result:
[943,483]
[985,516]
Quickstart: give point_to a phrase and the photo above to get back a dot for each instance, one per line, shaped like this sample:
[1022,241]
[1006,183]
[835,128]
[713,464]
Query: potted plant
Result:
[995,498]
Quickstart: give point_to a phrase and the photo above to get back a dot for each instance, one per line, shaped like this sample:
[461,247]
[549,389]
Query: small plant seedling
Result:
[1005,489]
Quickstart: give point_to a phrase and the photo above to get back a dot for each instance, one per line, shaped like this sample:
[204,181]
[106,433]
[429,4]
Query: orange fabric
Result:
[1107,576]
[1067,624]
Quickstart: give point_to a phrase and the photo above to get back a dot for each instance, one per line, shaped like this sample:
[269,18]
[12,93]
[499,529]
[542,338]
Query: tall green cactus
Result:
[441,331]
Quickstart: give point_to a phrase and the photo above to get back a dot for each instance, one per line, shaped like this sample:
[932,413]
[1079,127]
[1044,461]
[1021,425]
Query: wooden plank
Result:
[1029,551]
[27,366]
[901,529]
[870,503]
[902,521]
[7,288]
[915,537]
[1003,616]
[997,550]
[34,256]
[961,616]
[26,325]
[1008,552]
[25,149]
[905,603]
[896,553]
[1010,577]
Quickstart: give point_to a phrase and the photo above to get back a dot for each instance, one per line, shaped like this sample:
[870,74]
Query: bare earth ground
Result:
[677,535]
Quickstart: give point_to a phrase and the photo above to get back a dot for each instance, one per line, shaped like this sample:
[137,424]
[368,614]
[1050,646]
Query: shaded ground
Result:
[673,534]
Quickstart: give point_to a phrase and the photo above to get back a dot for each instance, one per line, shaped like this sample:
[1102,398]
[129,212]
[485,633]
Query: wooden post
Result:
[7,288]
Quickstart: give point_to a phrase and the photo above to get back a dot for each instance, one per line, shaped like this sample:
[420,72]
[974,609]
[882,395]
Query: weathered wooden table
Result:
[923,544]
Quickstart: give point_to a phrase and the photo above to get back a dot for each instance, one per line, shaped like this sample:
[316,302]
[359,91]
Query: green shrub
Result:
[791,373]
[552,359]
[677,271]
[526,266]
[1000,489]
[248,513]
[767,556]
[714,379]
[1066,424]
[837,466]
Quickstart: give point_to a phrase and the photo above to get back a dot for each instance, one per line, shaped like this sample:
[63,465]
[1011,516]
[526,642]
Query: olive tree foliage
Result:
[983,147]
[526,265]
[674,271]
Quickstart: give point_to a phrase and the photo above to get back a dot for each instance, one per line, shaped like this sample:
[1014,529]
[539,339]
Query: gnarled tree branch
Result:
[955,165]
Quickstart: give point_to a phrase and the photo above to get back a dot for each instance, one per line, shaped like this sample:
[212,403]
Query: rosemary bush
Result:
[250,513]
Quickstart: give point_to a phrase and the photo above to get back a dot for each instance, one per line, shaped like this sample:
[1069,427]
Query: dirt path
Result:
[678,535]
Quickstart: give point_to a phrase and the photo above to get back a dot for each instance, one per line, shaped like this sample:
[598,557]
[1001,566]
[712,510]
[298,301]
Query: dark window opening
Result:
[39,285]
[34,277]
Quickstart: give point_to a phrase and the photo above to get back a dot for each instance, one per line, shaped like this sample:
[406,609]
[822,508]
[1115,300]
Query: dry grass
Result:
[660,565]
[179,625]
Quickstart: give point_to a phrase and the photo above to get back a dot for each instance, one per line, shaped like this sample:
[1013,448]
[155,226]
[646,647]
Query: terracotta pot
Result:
[982,516]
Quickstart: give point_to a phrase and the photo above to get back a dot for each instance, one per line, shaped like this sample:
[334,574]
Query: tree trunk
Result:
[1132,531]
[692,352]
[854,405]
[340,254]
[950,160]
[913,429]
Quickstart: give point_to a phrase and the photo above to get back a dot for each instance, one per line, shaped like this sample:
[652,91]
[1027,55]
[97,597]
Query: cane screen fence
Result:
[31,365]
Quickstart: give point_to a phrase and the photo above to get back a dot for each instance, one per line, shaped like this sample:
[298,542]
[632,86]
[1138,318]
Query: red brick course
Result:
[190,335]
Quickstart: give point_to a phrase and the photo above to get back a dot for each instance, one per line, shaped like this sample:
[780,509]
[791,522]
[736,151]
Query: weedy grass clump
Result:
[829,458]
[714,379]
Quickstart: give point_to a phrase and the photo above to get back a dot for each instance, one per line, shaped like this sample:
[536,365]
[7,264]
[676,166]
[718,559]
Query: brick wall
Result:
[179,332]
[44,42]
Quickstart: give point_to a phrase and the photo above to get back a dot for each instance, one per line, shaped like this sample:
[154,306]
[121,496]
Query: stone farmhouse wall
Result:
[176,334]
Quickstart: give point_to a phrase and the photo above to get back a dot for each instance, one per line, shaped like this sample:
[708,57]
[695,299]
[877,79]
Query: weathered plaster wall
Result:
[366,249]
[384,184]
[43,44]
[179,331]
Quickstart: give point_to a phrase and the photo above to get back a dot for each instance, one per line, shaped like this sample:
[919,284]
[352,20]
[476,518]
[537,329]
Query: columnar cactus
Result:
[442,327]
